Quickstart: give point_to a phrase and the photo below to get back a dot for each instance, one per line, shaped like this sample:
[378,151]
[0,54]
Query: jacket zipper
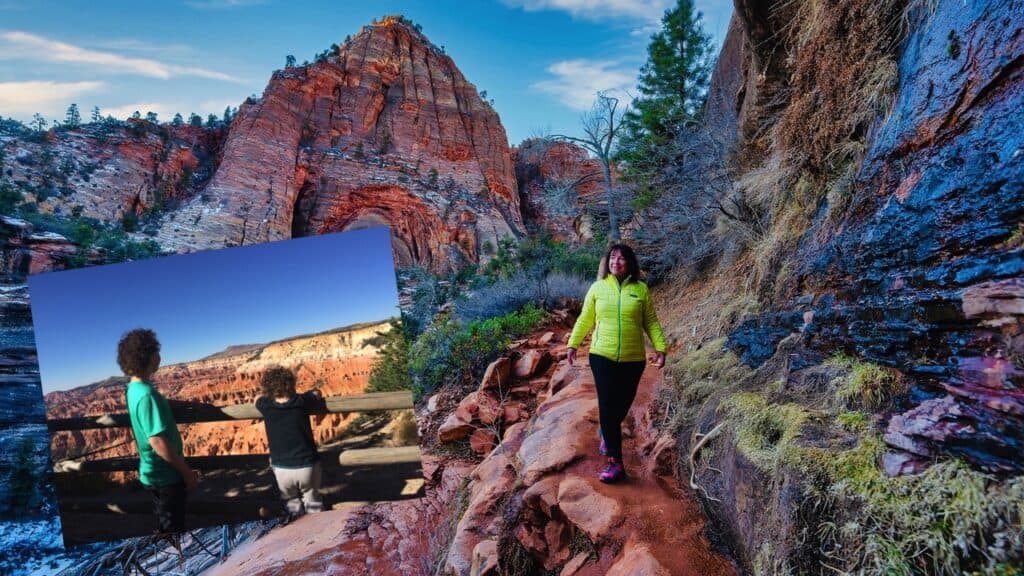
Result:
[618,350]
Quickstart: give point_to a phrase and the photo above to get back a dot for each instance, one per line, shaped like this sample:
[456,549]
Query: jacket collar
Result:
[611,279]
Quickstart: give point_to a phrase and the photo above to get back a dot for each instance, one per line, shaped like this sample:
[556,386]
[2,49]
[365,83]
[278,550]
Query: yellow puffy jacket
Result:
[622,314]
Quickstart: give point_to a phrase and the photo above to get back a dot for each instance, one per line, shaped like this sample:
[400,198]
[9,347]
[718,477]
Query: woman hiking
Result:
[621,307]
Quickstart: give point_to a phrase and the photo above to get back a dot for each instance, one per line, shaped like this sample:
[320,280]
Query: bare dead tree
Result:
[601,127]
[561,188]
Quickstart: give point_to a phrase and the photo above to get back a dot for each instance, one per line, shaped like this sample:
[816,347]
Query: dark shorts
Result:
[169,507]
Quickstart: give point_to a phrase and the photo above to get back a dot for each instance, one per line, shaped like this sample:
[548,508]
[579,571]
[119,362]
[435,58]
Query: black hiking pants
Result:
[616,384]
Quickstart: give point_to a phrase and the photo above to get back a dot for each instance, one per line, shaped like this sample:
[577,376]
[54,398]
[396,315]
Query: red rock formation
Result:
[25,251]
[107,172]
[336,362]
[549,173]
[384,131]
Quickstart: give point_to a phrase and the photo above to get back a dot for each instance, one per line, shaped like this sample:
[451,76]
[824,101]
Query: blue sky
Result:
[201,303]
[540,60]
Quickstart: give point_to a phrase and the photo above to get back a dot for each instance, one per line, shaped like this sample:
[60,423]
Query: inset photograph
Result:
[225,386]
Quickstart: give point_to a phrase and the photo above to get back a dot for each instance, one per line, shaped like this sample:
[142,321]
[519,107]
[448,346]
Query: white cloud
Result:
[22,99]
[22,45]
[144,46]
[577,82]
[650,10]
[217,106]
[165,112]
[646,31]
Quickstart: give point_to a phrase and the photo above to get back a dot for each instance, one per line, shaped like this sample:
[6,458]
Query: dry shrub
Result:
[404,431]
[844,75]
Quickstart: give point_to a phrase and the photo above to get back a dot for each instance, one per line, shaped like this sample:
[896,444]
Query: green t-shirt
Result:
[151,415]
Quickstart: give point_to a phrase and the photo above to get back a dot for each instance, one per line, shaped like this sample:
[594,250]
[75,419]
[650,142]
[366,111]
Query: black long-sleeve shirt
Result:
[288,430]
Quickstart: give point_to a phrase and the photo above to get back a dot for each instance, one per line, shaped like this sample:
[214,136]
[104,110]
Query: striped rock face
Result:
[383,131]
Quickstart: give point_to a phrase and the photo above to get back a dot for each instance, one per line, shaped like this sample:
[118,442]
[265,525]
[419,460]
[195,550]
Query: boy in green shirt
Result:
[162,467]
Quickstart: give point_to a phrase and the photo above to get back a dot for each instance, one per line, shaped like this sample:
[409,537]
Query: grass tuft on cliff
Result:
[694,378]
[949,519]
[868,385]
[765,433]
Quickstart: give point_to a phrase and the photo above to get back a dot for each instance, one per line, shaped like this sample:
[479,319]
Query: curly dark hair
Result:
[632,264]
[136,352]
[278,381]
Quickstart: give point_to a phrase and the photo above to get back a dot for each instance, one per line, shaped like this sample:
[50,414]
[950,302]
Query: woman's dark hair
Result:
[278,381]
[632,265]
[136,351]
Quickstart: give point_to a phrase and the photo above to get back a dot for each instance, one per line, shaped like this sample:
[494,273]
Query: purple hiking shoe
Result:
[613,472]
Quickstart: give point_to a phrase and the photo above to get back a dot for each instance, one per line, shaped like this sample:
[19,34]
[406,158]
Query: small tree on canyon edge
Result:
[73,118]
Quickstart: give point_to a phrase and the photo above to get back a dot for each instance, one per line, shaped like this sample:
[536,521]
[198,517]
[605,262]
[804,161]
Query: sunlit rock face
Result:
[385,130]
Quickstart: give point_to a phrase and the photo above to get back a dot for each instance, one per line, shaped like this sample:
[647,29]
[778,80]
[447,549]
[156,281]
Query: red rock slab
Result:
[541,341]
[308,536]
[496,375]
[998,297]
[521,391]
[493,481]
[514,413]
[482,440]
[591,511]
[558,379]
[532,362]
[555,442]
[485,559]
[489,409]
[455,427]
[637,560]
[573,566]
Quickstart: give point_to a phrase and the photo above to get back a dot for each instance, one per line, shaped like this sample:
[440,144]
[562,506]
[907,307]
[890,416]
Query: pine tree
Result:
[673,86]
[177,120]
[38,123]
[96,116]
[390,372]
[72,119]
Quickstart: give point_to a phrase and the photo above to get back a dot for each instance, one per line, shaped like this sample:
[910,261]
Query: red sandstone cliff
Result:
[384,131]
[559,184]
[108,172]
[337,362]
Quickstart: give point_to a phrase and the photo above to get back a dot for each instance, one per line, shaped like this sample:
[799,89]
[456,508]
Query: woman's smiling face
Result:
[617,264]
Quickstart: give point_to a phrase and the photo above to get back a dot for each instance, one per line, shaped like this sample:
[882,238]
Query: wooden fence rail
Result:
[192,412]
[353,457]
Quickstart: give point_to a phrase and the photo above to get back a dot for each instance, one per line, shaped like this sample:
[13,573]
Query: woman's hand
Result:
[570,355]
[659,359]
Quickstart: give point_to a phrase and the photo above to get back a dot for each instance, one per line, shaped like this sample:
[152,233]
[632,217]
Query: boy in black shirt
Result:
[293,454]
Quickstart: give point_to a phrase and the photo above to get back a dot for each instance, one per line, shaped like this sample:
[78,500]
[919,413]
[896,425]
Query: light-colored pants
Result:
[300,486]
